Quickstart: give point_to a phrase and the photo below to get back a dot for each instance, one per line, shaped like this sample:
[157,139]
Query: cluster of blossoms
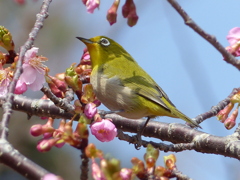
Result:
[230,121]
[33,75]
[85,106]
[233,38]
[111,169]
[128,10]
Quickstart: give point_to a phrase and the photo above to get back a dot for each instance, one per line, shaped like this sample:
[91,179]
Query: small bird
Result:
[123,86]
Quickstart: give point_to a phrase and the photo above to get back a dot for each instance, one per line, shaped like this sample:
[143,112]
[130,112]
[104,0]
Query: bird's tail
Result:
[182,116]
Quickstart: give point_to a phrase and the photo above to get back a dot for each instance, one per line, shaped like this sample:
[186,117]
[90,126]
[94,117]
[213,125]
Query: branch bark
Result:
[228,57]
[12,158]
[182,136]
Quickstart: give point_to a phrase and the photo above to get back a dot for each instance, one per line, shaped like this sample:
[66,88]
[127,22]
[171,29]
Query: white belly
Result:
[117,97]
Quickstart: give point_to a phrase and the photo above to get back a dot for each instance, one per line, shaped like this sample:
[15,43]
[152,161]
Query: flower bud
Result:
[91,151]
[230,122]
[90,110]
[112,12]
[92,5]
[126,174]
[170,161]
[151,156]
[36,130]
[46,145]
[6,39]
[126,8]
[235,98]
[223,114]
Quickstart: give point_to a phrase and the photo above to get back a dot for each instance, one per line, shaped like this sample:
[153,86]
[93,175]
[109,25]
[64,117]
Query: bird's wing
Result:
[150,91]
[139,81]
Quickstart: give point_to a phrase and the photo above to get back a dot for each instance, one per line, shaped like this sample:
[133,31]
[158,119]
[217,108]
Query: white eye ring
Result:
[104,42]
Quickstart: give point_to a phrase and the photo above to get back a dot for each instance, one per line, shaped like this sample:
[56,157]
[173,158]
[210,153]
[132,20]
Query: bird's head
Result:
[102,49]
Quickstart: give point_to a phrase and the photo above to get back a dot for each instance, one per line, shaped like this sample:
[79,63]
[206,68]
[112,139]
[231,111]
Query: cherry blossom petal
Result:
[233,35]
[31,53]
[29,74]
[104,130]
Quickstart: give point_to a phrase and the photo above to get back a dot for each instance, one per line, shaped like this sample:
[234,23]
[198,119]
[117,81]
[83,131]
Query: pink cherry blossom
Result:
[233,38]
[233,35]
[33,70]
[97,172]
[92,5]
[104,130]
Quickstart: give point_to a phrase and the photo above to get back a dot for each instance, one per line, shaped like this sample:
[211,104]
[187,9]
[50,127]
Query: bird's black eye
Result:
[104,42]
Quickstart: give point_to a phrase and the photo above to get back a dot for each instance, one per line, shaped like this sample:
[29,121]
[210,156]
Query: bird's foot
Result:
[138,143]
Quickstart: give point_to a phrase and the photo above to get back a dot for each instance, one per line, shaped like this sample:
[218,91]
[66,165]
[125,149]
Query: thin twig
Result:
[57,101]
[85,160]
[161,146]
[69,95]
[215,109]
[228,57]
[7,106]
[180,175]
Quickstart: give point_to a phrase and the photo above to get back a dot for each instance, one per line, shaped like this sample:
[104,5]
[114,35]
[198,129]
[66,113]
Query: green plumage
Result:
[121,84]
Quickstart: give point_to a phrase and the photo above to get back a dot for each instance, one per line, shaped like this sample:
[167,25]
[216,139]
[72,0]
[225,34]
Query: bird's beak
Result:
[85,41]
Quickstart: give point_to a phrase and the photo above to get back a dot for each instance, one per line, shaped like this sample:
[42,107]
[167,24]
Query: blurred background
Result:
[188,68]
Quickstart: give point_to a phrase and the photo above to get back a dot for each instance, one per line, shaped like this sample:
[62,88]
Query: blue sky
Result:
[187,67]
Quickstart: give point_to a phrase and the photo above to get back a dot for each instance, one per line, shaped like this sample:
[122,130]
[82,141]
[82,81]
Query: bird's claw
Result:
[138,143]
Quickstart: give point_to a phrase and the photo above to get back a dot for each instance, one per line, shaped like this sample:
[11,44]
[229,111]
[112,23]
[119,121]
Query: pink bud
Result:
[36,130]
[223,114]
[126,8]
[132,18]
[92,5]
[112,12]
[126,174]
[97,102]
[20,88]
[44,146]
[84,2]
[47,135]
[230,122]
[59,145]
[97,172]
[90,110]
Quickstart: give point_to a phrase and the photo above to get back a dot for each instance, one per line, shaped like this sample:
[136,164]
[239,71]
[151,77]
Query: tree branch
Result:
[178,133]
[20,163]
[7,106]
[215,109]
[63,104]
[228,57]
[182,136]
